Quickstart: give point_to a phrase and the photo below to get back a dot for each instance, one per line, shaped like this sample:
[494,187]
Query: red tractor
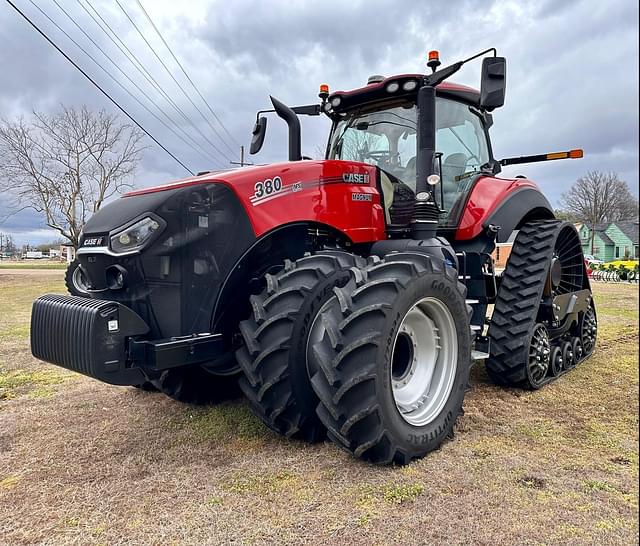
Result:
[349,295]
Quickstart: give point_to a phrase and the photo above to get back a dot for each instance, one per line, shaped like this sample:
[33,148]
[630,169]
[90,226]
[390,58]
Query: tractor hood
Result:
[268,196]
[170,248]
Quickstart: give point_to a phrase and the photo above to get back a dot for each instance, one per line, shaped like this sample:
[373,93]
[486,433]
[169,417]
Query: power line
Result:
[174,79]
[162,112]
[108,73]
[51,42]
[133,59]
[185,73]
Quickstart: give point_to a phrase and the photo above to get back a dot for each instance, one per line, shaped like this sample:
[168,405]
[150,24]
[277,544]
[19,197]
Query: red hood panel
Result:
[340,194]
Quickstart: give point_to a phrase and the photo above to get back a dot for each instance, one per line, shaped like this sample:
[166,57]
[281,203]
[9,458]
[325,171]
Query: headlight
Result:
[409,85]
[393,87]
[135,236]
[335,101]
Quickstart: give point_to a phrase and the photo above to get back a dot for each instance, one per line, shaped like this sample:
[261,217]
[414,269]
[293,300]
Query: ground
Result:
[85,463]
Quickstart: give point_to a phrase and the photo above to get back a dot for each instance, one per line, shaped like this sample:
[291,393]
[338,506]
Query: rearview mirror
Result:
[493,83]
[259,132]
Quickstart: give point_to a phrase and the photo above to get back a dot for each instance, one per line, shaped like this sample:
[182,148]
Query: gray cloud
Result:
[572,70]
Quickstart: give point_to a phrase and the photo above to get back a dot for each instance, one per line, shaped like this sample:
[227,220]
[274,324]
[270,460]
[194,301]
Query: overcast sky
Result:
[572,78]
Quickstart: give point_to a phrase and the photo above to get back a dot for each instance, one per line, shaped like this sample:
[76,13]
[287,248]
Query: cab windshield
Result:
[387,139]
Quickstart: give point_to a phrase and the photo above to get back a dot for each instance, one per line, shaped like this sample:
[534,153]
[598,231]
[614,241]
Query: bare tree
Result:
[7,245]
[600,197]
[565,216]
[65,165]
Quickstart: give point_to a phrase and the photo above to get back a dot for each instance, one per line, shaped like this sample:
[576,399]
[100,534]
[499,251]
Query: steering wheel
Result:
[379,156]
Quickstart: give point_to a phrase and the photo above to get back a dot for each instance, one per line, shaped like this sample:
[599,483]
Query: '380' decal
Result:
[268,187]
[271,188]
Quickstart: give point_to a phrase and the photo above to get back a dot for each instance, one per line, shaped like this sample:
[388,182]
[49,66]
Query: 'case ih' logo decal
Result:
[93,241]
[356,178]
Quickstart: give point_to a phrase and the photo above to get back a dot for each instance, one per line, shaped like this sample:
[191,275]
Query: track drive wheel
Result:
[75,281]
[546,260]
[393,360]
[277,340]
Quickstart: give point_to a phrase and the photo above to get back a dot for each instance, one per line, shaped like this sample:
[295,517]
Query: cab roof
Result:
[377,91]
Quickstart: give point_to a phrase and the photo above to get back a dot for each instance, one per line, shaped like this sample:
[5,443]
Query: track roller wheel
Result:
[276,342]
[578,352]
[539,356]
[567,355]
[393,361]
[556,361]
[589,331]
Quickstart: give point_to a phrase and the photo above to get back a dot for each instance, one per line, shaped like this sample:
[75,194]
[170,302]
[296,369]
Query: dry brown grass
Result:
[86,463]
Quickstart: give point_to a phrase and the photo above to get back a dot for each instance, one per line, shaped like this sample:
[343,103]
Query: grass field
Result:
[85,463]
[33,264]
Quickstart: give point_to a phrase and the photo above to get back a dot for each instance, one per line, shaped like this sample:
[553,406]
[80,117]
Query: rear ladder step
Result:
[479,355]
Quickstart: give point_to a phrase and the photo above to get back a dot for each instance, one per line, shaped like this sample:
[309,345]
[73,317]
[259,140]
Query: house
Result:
[503,251]
[67,252]
[611,241]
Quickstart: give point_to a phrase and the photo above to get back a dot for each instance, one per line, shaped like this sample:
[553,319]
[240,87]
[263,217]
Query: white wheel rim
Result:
[424,361]
[78,281]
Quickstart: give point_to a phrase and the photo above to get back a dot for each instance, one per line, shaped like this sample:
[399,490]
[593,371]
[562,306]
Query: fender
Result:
[522,205]
[289,241]
[501,202]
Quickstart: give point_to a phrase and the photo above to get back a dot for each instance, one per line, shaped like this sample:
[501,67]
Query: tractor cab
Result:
[383,132]
[418,131]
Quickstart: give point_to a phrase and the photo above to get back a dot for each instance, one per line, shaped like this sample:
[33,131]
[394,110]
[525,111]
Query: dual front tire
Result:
[376,356]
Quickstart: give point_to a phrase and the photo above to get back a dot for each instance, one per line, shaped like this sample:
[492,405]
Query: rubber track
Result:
[516,308]
[345,382]
[267,335]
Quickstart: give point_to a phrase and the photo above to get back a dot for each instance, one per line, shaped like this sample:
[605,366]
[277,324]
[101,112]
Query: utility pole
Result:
[241,162]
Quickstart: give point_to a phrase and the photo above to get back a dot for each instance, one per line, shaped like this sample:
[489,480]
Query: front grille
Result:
[85,335]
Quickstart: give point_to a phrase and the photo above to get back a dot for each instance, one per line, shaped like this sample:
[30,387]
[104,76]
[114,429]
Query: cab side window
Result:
[461,140]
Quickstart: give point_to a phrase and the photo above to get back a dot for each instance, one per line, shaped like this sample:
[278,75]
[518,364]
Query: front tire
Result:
[195,385]
[274,355]
[393,364]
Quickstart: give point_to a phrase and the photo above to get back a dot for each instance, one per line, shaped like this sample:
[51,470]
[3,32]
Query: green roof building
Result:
[611,241]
